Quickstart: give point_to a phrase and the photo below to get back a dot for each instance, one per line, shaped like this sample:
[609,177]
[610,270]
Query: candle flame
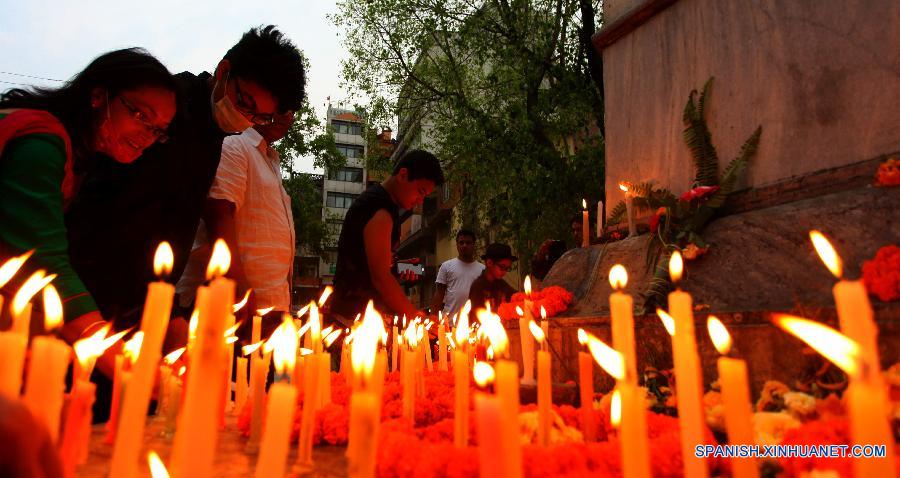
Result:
[262,312]
[53,308]
[132,348]
[163,260]
[303,329]
[667,320]
[618,277]
[623,187]
[543,313]
[719,334]
[527,286]
[285,342]
[230,340]
[10,267]
[219,261]
[315,324]
[327,330]
[325,294]
[32,286]
[249,349]
[365,342]
[615,409]
[410,337]
[88,349]
[483,374]
[173,356]
[519,311]
[230,331]
[194,323]
[331,337]
[182,370]
[462,325]
[584,204]
[827,253]
[492,328]
[157,468]
[676,266]
[301,312]
[536,331]
[607,357]
[831,344]
[582,337]
[240,305]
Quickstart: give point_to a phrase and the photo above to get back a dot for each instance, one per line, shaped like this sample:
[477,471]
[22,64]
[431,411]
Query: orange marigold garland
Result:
[555,300]
[881,275]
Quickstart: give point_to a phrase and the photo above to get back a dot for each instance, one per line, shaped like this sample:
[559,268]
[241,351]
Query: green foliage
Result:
[306,207]
[699,140]
[500,91]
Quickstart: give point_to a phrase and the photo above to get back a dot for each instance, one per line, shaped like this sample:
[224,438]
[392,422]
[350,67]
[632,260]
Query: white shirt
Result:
[458,277]
[250,177]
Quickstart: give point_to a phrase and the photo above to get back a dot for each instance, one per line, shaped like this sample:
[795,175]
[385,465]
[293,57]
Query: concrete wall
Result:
[821,77]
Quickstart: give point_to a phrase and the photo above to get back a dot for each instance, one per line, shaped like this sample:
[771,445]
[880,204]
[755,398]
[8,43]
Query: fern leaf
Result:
[699,140]
[701,107]
[616,214]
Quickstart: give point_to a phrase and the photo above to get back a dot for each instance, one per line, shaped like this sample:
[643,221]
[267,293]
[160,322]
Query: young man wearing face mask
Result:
[248,208]
[371,232]
[124,211]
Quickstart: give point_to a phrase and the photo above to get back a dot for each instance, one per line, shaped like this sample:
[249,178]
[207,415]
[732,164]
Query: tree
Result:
[506,93]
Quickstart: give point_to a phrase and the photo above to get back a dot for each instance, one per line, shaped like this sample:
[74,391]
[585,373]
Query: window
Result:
[339,200]
[344,127]
[353,175]
[351,152]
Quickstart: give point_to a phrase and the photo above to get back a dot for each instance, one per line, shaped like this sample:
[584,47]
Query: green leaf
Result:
[699,140]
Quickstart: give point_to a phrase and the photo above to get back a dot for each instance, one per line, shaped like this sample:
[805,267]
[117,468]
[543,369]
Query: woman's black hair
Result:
[114,72]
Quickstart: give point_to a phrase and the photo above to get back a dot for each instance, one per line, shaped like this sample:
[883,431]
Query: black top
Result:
[353,286]
[495,292]
[123,211]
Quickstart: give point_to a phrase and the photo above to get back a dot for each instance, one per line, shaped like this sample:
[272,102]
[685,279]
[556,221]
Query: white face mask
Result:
[227,116]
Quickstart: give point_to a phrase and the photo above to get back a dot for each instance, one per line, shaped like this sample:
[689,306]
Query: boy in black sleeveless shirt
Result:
[371,232]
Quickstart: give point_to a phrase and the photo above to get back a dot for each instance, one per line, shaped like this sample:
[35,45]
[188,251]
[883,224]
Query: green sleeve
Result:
[32,169]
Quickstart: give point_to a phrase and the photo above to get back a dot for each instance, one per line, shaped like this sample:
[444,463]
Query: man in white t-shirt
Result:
[249,208]
[456,276]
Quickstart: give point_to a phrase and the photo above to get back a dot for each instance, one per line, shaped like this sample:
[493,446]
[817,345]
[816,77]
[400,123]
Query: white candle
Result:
[281,405]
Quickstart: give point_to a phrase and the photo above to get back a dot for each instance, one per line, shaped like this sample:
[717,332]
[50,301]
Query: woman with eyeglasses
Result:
[119,105]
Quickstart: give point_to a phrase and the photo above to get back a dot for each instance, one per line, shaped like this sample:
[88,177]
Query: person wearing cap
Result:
[490,287]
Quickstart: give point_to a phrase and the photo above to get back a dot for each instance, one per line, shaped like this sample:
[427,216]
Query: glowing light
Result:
[719,334]
[536,331]
[232,330]
[10,267]
[615,409]
[667,320]
[331,337]
[527,286]
[676,266]
[32,286]
[53,308]
[492,328]
[483,374]
[315,324]
[301,312]
[219,261]
[182,370]
[285,342]
[827,253]
[230,340]
[88,349]
[833,345]
[325,294]
[262,312]
[173,357]
[163,260]
[623,187]
[365,342]
[618,277]
[543,313]
[462,325]
[584,204]
[582,337]
[194,323]
[519,311]
[607,357]
[249,349]
[240,305]
[157,468]
[132,348]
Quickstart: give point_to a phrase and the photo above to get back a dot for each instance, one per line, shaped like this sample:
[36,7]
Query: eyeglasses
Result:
[503,267]
[250,110]
[136,114]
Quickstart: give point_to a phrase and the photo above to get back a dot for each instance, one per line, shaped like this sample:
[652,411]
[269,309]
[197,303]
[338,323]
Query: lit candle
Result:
[311,399]
[585,225]
[46,382]
[599,219]
[133,415]
[12,343]
[409,372]
[395,347]
[629,208]
[198,424]
[281,404]
[621,307]
[365,403]
[461,379]
[631,411]
[525,336]
[735,389]
[544,390]
[157,467]
[586,390]
[866,401]
[21,304]
[507,385]
[442,344]
[258,371]
[427,351]
[489,412]
[689,385]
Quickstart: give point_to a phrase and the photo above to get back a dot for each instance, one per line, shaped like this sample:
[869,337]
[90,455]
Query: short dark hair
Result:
[266,57]
[421,164]
[465,232]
